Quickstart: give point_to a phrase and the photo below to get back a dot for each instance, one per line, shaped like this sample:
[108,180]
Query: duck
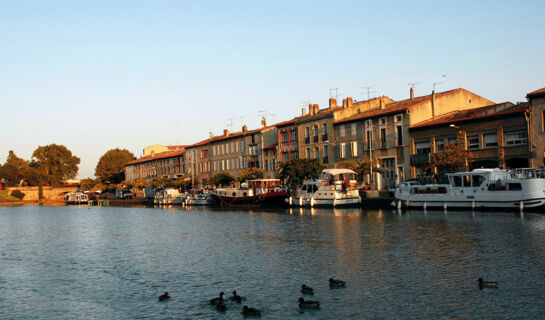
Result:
[164,296]
[309,304]
[306,289]
[221,306]
[251,311]
[336,283]
[217,300]
[236,297]
[487,284]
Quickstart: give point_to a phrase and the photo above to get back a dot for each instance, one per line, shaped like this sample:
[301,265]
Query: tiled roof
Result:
[158,156]
[396,107]
[477,113]
[536,92]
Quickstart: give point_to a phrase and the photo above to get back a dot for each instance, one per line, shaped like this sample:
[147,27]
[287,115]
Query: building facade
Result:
[165,164]
[536,101]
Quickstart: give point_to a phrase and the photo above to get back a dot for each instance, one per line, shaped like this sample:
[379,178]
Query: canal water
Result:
[113,263]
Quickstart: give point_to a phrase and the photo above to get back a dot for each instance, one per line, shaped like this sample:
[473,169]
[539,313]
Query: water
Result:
[113,263]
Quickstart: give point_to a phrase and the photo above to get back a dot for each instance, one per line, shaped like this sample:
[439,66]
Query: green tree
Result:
[14,170]
[56,162]
[295,171]
[88,184]
[221,179]
[364,167]
[251,174]
[453,158]
[110,167]
[162,182]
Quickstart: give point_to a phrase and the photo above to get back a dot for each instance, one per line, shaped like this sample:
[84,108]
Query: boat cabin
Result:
[338,176]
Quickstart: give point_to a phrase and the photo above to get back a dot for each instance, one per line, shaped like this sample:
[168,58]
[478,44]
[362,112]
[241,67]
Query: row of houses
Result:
[402,134]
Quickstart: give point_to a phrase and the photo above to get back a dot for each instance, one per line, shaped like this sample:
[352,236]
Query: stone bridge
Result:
[49,193]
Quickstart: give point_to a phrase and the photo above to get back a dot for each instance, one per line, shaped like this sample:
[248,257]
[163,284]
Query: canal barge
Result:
[263,192]
[478,189]
[76,198]
[167,196]
[335,188]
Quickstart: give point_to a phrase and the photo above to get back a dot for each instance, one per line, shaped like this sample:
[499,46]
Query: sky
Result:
[98,75]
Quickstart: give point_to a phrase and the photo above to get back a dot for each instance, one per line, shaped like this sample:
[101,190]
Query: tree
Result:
[110,167]
[221,179]
[56,162]
[453,158]
[251,174]
[14,170]
[295,171]
[88,184]
[162,182]
[363,168]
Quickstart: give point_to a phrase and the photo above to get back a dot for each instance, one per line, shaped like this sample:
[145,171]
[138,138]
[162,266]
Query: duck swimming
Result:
[236,297]
[309,304]
[164,296]
[336,283]
[487,284]
[217,300]
[221,306]
[306,289]
[251,311]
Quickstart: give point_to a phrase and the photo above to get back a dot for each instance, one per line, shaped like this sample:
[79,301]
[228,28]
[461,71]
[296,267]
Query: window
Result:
[316,130]
[517,137]
[308,153]
[490,140]
[294,135]
[473,142]
[422,147]
[368,137]
[242,145]
[399,135]
[383,137]
[354,149]
[317,152]
[382,121]
[398,118]
[343,150]
[477,180]
[325,128]
[341,130]
[285,156]
[353,129]
[204,153]
[285,136]
[236,146]
[294,154]
[451,141]
[307,132]
[325,151]
[439,145]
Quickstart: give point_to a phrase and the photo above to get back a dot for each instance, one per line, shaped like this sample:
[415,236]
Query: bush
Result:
[18,194]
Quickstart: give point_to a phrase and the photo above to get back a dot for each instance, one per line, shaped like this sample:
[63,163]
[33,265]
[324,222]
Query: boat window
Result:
[477,180]
[467,181]
[515,187]
[457,181]
[314,188]
[442,190]
[413,190]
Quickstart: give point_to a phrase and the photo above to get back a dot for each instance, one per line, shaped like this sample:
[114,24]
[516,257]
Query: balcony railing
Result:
[324,137]
[419,159]
[307,140]
[315,139]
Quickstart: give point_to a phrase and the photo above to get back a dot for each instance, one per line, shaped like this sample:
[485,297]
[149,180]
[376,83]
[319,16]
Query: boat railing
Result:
[528,173]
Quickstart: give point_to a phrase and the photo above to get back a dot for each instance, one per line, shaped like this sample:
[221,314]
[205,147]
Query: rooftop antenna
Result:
[336,90]
[272,115]
[413,84]
[436,84]
[262,113]
[368,88]
[241,121]
[230,123]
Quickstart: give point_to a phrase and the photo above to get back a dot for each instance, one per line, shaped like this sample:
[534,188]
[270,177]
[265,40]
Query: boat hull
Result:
[269,199]
[312,202]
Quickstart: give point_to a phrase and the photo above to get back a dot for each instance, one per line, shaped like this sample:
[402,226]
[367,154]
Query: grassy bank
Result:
[5,197]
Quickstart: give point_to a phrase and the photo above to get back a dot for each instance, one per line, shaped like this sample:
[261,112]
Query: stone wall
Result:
[49,193]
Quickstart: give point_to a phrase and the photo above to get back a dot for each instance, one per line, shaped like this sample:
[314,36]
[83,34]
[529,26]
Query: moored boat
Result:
[478,189]
[76,198]
[166,196]
[335,188]
[199,198]
[262,192]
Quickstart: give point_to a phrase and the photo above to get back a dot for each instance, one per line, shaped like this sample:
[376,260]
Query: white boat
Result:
[76,198]
[264,192]
[165,196]
[478,189]
[335,188]
[199,198]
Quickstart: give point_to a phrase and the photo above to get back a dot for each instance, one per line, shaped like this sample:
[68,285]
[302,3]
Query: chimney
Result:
[210,134]
[344,103]
[225,132]
[412,93]
[349,102]
[244,129]
[263,122]
[316,108]
[303,112]
[382,104]
[310,110]
[433,104]
[332,102]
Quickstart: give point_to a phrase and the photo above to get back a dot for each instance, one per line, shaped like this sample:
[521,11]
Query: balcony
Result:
[326,160]
[324,137]
[307,140]
[420,159]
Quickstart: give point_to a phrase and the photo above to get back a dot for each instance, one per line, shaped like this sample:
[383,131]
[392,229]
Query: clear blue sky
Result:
[96,75]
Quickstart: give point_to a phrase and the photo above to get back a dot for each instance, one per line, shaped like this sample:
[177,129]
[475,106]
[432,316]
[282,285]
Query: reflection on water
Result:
[89,262]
